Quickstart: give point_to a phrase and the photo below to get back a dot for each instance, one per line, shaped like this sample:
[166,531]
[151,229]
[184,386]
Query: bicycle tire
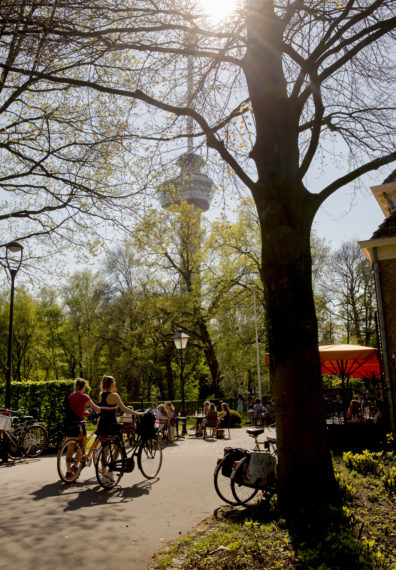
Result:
[222,484]
[34,441]
[69,460]
[150,458]
[109,464]
[242,494]
[14,450]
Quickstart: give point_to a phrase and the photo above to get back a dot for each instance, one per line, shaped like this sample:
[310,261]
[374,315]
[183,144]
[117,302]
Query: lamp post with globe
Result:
[181,339]
[14,254]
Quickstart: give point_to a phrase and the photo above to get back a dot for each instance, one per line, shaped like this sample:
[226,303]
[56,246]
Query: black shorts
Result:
[73,430]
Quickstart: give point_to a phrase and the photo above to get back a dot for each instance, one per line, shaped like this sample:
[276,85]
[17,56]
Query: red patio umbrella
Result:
[349,361]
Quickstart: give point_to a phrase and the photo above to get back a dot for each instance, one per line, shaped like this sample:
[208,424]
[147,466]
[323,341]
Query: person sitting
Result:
[211,420]
[170,409]
[109,402]
[164,420]
[225,416]
[258,412]
[198,422]
[269,414]
[353,412]
[154,409]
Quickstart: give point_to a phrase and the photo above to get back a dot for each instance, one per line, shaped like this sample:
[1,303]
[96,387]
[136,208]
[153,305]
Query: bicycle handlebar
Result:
[20,411]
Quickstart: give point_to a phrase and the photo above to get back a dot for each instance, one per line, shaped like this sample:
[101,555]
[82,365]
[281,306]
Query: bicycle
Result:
[228,479]
[21,435]
[70,457]
[113,460]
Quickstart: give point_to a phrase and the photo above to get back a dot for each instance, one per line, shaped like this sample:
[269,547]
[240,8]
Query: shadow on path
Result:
[82,497]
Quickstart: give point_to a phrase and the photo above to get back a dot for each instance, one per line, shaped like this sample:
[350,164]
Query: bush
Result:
[236,419]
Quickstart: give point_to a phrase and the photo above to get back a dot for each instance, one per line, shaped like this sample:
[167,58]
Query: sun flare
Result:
[218,9]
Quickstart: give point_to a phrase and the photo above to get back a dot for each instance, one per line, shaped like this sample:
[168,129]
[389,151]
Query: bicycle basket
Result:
[145,426]
[5,422]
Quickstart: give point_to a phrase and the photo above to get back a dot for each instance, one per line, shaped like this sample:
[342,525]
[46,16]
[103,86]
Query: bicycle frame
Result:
[14,437]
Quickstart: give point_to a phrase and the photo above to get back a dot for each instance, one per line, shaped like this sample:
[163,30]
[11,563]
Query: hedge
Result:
[49,398]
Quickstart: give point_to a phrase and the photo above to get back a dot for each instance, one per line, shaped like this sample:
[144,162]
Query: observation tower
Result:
[192,185]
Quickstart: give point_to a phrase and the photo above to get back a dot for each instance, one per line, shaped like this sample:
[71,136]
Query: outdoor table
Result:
[198,421]
[183,421]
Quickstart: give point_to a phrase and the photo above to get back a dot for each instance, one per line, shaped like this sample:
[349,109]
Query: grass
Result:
[359,534]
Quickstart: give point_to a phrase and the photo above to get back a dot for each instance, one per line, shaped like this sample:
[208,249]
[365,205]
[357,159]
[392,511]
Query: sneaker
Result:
[69,475]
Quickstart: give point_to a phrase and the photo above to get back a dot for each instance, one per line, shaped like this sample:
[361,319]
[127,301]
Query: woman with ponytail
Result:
[109,402]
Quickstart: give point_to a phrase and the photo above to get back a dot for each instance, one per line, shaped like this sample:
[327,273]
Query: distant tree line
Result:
[120,320]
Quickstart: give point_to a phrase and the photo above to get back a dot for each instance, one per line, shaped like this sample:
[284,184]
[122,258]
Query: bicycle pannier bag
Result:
[260,470]
[232,455]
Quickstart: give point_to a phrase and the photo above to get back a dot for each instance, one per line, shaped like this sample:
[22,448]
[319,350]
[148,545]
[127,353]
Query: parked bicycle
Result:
[235,483]
[114,458]
[21,434]
[71,458]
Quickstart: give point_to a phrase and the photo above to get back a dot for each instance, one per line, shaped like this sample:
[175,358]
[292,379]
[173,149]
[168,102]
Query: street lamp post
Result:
[14,254]
[180,339]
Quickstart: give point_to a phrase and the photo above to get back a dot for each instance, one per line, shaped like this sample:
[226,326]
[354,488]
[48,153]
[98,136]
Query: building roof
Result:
[387,228]
[390,178]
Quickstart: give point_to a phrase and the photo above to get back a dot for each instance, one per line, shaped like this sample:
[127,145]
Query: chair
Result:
[163,431]
[212,425]
[225,424]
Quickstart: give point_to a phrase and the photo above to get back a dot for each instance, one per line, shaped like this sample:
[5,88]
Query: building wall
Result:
[387,268]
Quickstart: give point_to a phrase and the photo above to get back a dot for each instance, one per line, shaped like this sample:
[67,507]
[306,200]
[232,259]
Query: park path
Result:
[46,524]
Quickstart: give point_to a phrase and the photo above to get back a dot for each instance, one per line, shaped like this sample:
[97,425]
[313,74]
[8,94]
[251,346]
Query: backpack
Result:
[145,426]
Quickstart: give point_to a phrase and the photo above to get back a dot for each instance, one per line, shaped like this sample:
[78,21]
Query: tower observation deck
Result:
[192,185]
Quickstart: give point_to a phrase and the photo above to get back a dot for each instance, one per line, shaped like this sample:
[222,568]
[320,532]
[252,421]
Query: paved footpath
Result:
[46,524]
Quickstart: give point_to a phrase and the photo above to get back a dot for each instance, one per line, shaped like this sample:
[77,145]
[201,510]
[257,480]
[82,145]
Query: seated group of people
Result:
[212,419]
[263,416]
[165,415]
[355,412]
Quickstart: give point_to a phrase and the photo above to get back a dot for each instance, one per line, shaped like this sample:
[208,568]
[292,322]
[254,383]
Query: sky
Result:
[350,214]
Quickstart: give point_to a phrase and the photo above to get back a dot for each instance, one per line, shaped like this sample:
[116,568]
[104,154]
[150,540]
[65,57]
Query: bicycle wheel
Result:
[242,494]
[222,483]
[69,460]
[14,449]
[34,441]
[109,464]
[150,458]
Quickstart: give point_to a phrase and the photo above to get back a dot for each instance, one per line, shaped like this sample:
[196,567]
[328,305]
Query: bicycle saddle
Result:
[254,432]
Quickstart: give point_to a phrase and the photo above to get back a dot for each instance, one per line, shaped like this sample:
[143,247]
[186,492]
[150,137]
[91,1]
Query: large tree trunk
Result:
[286,211]
[210,355]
